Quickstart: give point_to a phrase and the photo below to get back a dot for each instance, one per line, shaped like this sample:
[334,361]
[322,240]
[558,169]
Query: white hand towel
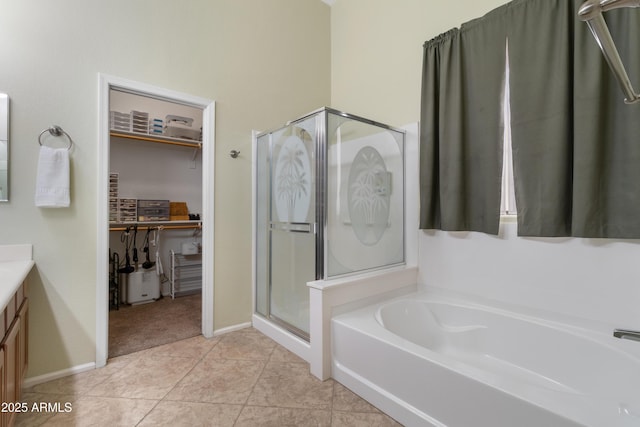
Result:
[52,180]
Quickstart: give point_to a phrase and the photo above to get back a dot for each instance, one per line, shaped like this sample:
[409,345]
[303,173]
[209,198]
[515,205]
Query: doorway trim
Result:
[107,82]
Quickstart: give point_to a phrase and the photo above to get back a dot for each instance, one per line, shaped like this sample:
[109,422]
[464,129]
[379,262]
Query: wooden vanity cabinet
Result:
[11,348]
[23,361]
[14,349]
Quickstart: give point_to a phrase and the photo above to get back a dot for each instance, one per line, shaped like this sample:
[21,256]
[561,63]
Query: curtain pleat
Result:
[541,96]
[429,126]
[461,127]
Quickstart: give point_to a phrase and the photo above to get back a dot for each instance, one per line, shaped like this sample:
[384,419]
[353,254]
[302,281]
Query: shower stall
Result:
[330,202]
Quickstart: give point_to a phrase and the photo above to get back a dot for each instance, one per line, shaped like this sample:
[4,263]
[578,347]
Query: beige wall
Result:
[376,52]
[264,62]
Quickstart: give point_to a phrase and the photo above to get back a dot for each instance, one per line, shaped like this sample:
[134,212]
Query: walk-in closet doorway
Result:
[106,85]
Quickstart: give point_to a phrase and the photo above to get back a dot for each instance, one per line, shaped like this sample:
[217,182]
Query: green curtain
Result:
[461,127]
[576,144]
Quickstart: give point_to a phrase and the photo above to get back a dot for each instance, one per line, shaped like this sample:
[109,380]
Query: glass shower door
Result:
[330,202]
[293,225]
[365,195]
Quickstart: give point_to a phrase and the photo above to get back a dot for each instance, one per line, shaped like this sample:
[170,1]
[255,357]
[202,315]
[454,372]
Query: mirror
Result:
[4,147]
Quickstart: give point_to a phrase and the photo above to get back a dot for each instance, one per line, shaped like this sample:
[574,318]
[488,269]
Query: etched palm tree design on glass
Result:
[368,195]
[292,181]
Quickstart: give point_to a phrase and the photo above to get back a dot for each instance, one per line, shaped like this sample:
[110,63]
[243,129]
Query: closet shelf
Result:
[166,225]
[157,138]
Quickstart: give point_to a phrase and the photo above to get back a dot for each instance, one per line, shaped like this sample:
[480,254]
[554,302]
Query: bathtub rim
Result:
[598,328]
[572,325]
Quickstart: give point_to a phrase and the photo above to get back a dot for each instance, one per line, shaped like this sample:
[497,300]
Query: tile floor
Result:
[239,379]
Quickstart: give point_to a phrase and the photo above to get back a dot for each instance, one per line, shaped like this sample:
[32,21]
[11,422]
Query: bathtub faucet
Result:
[630,335]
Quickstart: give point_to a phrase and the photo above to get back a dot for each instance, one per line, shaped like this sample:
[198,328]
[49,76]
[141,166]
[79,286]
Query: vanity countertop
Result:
[15,264]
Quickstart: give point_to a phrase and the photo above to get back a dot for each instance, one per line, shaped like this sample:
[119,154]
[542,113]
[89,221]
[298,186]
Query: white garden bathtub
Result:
[438,361]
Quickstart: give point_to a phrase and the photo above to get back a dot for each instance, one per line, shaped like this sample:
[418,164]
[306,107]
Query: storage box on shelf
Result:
[153,210]
[113,197]
[178,211]
[139,122]
[181,127]
[120,121]
[127,210]
[156,127]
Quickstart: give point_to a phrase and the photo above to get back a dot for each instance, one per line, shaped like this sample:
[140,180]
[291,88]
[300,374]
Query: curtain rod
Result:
[591,12]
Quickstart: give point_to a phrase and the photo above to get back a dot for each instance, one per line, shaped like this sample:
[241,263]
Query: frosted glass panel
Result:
[293,173]
[292,266]
[365,200]
[293,218]
[368,195]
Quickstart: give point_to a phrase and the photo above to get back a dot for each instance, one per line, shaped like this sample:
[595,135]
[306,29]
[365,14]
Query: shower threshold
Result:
[289,327]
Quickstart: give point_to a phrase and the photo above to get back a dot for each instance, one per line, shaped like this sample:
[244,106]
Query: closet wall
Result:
[157,171]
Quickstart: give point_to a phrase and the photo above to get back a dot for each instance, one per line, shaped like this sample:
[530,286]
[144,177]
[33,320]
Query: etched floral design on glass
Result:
[368,195]
[293,186]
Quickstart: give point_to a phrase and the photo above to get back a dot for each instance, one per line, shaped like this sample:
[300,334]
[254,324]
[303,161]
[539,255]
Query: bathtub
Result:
[440,361]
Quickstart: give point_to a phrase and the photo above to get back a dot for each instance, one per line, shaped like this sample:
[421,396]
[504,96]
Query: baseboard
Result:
[232,328]
[33,381]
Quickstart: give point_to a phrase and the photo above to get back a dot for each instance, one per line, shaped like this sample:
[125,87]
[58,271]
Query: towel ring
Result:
[55,131]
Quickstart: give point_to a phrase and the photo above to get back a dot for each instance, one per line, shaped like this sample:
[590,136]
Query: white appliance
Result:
[143,286]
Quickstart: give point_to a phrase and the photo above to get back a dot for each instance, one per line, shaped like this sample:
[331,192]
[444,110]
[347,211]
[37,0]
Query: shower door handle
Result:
[294,227]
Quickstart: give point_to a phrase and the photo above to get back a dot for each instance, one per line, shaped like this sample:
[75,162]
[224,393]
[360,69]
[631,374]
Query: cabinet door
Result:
[23,361]
[4,417]
[11,348]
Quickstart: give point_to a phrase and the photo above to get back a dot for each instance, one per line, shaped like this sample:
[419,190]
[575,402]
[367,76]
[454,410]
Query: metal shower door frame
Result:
[316,228]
